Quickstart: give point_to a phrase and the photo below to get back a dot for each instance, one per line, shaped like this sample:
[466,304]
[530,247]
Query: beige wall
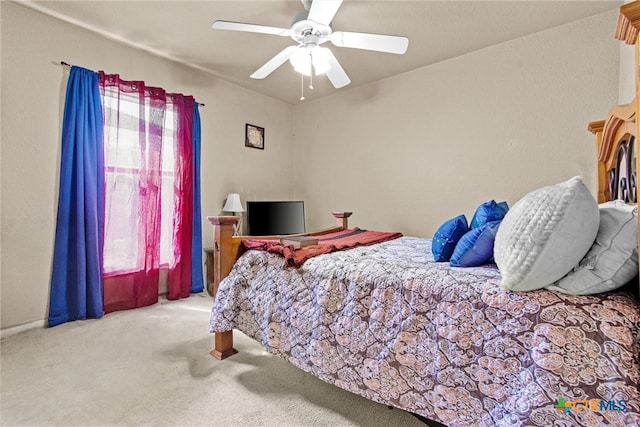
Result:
[32,100]
[411,151]
[403,154]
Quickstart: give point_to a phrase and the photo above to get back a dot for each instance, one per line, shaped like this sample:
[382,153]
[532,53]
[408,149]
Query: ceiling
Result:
[437,31]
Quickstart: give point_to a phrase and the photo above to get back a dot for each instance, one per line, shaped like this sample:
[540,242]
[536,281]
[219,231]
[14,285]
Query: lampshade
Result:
[233,203]
[304,57]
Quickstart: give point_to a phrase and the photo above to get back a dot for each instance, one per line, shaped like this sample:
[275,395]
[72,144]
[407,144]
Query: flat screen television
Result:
[275,217]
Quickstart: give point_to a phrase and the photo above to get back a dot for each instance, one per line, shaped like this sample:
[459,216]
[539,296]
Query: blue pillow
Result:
[447,236]
[487,212]
[476,246]
[503,207]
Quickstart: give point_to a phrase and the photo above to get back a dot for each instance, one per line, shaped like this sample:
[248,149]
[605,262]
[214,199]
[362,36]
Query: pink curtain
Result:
[148,194]
[180,268]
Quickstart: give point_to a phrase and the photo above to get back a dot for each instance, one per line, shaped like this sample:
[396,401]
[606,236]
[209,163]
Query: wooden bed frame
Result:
[226,250]
[615,138]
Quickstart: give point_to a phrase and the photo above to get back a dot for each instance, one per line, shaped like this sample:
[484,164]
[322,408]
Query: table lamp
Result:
[234,206]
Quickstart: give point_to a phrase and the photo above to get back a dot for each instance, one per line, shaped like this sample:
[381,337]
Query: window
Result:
[129,197]
[133,154]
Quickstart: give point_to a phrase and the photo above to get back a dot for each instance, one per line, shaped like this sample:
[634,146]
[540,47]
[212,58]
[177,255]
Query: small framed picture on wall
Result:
[254,136]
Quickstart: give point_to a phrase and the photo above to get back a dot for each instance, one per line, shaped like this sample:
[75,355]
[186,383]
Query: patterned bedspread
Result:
[388,323]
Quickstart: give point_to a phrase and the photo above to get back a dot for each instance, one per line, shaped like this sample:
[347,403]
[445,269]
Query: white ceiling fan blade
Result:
[274,62]
[323,11]
[377,42]
[336,73]
[251,28]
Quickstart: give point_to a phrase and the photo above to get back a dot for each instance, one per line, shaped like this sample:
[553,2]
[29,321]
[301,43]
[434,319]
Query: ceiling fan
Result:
[310,29]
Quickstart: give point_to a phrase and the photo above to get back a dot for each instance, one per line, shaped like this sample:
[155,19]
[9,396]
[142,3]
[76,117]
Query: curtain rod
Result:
[69,65]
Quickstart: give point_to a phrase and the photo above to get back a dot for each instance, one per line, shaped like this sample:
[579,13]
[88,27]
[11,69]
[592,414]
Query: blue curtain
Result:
[197,281]
[76,279]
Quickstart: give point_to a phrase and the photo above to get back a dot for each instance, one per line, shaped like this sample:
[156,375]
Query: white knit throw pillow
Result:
[545,234]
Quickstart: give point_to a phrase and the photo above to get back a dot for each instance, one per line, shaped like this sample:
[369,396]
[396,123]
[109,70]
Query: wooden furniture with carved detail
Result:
[615,142]
[628,31]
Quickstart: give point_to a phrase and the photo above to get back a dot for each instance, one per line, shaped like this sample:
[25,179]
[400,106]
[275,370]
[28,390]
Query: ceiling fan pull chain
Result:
[301,87]
[311,69]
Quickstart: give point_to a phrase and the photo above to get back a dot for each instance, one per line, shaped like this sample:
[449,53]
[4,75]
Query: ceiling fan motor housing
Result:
[301,27]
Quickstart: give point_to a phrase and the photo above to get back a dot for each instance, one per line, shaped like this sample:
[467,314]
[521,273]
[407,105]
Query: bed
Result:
[387,322]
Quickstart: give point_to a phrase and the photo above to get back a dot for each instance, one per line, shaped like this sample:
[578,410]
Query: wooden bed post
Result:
[342,219]
[596,128]
[223,261]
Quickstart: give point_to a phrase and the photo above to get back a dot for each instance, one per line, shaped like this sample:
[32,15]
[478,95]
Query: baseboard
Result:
[7,332]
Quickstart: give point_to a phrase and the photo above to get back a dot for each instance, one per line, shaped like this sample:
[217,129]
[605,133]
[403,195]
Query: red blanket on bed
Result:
[332,242]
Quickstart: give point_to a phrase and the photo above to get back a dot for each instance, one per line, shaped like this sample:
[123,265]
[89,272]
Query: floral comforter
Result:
[390,324]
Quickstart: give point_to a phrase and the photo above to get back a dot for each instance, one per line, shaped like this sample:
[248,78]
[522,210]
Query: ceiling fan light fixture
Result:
[301,61]
[305,56]
[320,57]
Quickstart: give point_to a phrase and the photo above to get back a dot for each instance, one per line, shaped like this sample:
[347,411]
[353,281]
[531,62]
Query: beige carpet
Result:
[151,367]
